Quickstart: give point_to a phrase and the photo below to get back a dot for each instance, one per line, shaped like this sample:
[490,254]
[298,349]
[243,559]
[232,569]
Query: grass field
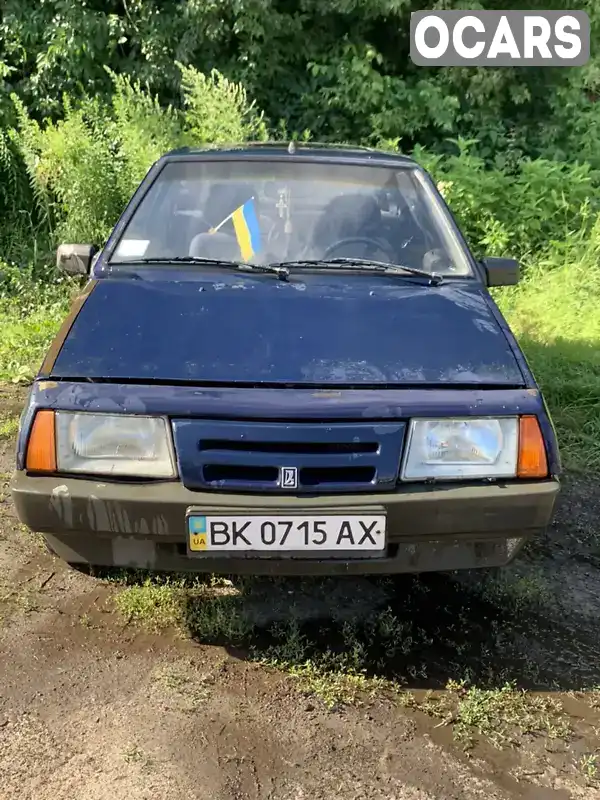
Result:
[25,333]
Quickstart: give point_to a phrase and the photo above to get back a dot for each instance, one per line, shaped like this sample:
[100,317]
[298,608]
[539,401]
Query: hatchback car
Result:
[286,360]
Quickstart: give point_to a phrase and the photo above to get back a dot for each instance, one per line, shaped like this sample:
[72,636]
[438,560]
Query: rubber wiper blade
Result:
[384,266]
[363,265]
[281,271]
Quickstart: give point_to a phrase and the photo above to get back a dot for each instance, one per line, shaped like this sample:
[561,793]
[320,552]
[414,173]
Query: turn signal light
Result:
[41,449]
[533,462]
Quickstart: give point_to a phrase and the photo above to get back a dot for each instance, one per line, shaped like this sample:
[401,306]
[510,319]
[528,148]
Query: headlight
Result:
[461,448]
[114,444]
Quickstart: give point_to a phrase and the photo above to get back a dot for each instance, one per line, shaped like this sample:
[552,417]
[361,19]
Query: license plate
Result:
[328,534]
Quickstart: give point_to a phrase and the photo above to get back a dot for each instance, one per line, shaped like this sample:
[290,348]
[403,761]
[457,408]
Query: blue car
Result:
[286,361]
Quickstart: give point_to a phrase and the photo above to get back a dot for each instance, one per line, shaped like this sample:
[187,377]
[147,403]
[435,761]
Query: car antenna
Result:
[292,148]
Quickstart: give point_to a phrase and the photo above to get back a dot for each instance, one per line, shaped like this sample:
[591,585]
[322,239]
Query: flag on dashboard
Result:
[247,230]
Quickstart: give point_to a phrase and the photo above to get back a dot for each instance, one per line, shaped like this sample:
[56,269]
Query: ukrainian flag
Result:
[197,524]
[247,230]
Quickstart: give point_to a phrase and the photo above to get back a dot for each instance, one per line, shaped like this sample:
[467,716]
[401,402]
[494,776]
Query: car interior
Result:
[376,224]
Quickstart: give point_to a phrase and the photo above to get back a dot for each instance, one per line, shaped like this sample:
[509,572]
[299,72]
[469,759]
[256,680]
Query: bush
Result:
[140,130]
[84,168]
[341,69]
[218,111]
[520,211]
[72,170]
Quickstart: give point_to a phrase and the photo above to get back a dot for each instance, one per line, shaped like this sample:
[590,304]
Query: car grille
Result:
[326,457]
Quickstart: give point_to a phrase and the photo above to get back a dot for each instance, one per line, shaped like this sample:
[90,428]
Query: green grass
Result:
[555,315]
[335,688]
[157,605]
[590,766]
[8,427]
[26,331]
[510,589]
[503,716]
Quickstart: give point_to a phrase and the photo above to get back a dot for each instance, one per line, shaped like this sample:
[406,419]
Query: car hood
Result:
[318,329]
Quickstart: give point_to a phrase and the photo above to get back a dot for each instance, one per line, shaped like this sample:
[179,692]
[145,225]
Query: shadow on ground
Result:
[420,632]
[533,623]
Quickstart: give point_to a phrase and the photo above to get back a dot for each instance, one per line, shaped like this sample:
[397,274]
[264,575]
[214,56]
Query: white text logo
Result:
[499,39]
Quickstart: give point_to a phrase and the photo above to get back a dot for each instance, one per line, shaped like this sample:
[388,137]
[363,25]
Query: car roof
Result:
[303,151]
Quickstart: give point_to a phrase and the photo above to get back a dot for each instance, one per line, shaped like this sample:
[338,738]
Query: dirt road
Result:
[92,706]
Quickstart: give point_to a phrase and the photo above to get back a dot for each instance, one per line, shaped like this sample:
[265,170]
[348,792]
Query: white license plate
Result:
[300,533]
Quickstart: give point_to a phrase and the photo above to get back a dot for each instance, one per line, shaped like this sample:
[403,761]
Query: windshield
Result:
[268,211]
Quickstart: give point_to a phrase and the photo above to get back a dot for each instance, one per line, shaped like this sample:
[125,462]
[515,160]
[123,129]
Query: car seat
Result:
[220,246]
[348,217]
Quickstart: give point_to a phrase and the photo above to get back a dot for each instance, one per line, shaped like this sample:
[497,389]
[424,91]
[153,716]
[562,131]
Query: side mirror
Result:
[501,271]
[75,259]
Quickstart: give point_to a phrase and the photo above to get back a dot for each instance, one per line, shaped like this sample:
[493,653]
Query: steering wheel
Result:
[367,242]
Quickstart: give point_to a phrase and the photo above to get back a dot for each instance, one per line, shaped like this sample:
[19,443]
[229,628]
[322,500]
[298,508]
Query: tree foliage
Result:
[91,93]
[84,167]
[340,69]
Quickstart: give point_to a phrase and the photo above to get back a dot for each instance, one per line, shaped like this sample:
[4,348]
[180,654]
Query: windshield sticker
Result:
[132,247]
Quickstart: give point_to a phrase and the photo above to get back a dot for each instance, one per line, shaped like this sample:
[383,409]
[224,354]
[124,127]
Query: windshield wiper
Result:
[280,270]
[362,265]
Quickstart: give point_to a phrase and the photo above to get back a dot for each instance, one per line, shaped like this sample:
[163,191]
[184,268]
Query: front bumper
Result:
[442,527]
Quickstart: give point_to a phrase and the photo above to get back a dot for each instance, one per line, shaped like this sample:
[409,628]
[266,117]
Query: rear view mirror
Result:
[501,271]
[75,259]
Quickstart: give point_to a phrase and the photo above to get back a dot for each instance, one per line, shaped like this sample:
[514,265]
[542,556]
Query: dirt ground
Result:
[93,707]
